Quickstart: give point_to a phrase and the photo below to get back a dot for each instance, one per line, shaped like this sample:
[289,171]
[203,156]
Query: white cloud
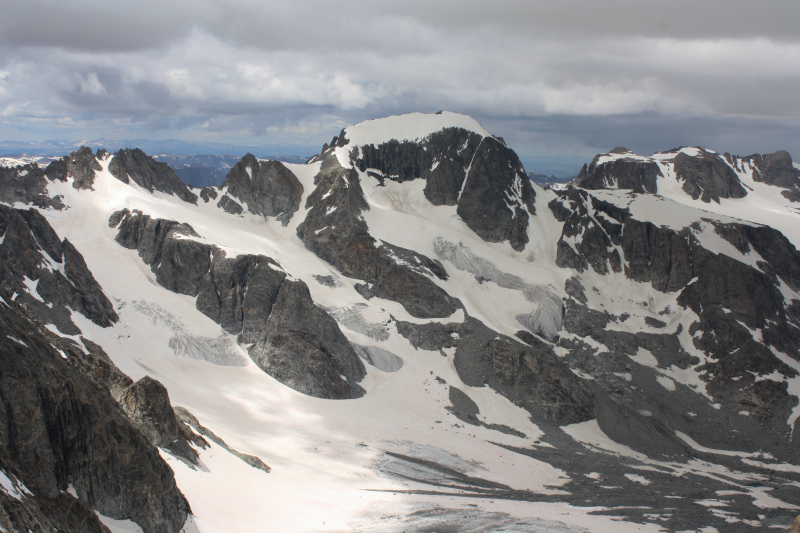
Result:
[272,69]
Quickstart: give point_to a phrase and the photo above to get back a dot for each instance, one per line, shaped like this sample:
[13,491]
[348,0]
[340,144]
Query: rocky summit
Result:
[402,334]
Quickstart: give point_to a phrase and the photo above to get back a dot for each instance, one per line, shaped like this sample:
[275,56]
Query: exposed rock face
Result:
[189,420]
[62,513]
[267,187]
[705,175]
[531,376]
[208,194]
[239,293]
[708,177]
[293,339]
[28,185]
[303,347]
[639,176]
[80,166]
[442,160]
[147,405]
[229,205]
[47,275]
[592,232]
[60,429]
[480,175]
[728,295]
[148,173]
[497,199]
[335,232]
[774,169]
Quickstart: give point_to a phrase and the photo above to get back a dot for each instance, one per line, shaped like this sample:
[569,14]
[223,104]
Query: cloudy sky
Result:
[565,78]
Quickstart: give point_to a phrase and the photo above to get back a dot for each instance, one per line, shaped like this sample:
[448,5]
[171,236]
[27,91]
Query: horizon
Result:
[569,80]
[559,165]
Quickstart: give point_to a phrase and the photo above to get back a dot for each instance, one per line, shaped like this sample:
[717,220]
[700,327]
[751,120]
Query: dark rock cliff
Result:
[293,339]
[730,297]
[46,275]
[774,169]
[60,430]
[528,374]
[639,176]
[136,166]
[707,175]
[334,230]
[28,185]
[480,175]
[267,187]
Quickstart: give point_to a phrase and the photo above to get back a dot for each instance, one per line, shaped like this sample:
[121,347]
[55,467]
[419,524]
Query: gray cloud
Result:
[571,77]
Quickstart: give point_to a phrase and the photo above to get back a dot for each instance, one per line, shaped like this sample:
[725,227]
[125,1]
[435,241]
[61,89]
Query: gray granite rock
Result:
[59,428]
[31,250]
[268,188]
[334,230]
[134,165]
[293,339]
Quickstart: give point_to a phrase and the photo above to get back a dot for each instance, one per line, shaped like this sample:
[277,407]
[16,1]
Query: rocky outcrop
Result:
[303,347]
[134,165]
[708,177]
[22,511]
[774,169]
[497,199]
[188,420]
[704,175]
[639,176]
[46,275]
[592,232]
[145,402]
[208,194]
[531,376]
[480,175]
[229,205]
[334,230]
[291,338]
[442,160]
[147,405]
[60,430]
[81,166]
[27,185]
[268,188]
[730,297]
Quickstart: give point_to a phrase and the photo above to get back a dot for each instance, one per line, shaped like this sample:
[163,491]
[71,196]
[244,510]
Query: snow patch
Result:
[222,350]
[17,340]
[545,319]
[13,487]
[119,526]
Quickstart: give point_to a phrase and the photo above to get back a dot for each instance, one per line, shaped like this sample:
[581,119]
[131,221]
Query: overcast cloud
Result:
[572,77]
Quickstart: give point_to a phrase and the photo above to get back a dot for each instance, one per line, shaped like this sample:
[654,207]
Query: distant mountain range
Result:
[62,147]
[546,181]
[410,331]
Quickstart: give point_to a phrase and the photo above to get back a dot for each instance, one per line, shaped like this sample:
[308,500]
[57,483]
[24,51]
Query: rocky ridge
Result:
[69,445]
[661,331]
[701,173]
[291,338]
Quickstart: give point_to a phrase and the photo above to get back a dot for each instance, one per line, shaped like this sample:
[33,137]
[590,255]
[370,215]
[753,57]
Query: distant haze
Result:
[558,80]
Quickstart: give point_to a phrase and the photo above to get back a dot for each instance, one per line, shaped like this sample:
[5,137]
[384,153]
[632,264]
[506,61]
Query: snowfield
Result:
[381,462]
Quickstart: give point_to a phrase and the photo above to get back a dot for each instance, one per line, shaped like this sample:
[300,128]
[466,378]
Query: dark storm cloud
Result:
[568,77]
[104,25]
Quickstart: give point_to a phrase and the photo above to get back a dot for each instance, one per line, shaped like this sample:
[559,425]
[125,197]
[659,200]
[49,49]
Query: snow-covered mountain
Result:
[403,334]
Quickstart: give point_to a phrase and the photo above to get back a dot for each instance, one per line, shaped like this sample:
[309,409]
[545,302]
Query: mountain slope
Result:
[503,356]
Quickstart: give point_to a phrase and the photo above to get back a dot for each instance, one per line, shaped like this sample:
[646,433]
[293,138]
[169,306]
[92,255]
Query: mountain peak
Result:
[409,127]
